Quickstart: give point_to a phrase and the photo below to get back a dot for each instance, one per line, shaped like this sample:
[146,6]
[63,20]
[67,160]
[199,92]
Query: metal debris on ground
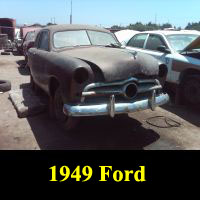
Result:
[162,122]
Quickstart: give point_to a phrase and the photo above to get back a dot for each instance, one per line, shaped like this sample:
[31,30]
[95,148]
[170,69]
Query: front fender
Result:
[62,68]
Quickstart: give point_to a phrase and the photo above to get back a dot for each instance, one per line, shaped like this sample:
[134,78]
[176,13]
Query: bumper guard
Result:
[112,108]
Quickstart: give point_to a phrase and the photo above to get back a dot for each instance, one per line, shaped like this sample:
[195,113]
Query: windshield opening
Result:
[82,38]
[180,42]
[101,38]
[71,39]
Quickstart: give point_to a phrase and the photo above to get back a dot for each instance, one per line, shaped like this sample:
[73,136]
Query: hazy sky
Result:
[102,12]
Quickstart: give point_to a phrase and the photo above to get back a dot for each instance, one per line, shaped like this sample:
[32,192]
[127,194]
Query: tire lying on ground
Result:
[5,86]
[5,53]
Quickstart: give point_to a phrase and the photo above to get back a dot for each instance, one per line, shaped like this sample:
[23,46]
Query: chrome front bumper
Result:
[112,108]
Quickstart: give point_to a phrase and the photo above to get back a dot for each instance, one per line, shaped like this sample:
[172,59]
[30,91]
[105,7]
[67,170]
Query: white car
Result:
[125,35]
[180,51]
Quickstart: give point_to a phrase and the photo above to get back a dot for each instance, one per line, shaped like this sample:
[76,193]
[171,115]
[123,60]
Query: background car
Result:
[3,41]
[28,42]
[125,35]
[86,73]
[23,33]
[180,51]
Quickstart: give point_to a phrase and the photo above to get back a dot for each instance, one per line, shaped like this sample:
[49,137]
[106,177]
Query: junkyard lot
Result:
[40,132]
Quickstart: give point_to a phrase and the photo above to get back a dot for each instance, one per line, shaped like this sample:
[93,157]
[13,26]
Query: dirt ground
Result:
[122,132]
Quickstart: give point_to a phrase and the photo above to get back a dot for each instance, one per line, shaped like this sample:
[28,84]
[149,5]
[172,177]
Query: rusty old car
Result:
[85,73]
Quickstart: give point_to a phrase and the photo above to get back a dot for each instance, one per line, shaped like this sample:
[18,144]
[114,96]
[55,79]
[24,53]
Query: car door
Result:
[40,58]
[33,59]
[137,42]
[24,44]
[151,47]
[148,43]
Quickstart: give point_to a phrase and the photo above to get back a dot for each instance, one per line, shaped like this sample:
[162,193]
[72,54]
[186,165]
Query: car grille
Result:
[124,91]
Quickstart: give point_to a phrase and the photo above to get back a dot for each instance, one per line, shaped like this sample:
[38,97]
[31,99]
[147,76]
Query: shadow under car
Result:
[120,133]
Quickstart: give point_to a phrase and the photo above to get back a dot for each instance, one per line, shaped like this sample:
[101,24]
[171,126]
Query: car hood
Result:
[193,45]
[125,35]
[114,63]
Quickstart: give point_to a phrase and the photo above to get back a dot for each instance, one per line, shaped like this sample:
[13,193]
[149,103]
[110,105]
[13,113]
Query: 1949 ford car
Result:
[86,73]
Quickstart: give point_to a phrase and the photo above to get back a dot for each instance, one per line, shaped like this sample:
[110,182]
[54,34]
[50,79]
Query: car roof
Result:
[36,31]
[164,32]
[55,28]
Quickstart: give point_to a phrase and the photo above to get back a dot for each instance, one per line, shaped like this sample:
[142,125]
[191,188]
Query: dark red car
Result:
[24,34]
[28,42]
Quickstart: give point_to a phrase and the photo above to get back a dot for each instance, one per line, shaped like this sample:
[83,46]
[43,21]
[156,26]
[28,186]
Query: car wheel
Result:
[32,82]
[51,108]
[191,90]
[68,123]
[26,59]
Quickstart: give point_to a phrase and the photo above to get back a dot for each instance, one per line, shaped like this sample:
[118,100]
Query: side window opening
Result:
[43,41]
[154,41]
[137,41]
[37,40]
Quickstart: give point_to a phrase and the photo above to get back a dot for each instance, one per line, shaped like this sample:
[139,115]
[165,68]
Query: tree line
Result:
[138,26]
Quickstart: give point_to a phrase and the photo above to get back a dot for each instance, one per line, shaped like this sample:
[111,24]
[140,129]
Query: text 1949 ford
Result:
[86,73]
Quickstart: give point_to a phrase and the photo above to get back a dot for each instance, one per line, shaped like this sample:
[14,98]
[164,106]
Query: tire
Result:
[26,59]
[5,53]
[32,83]
[5,86]
[26,63]
[51,108]
[68,123]
[38,90]
[191,90]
